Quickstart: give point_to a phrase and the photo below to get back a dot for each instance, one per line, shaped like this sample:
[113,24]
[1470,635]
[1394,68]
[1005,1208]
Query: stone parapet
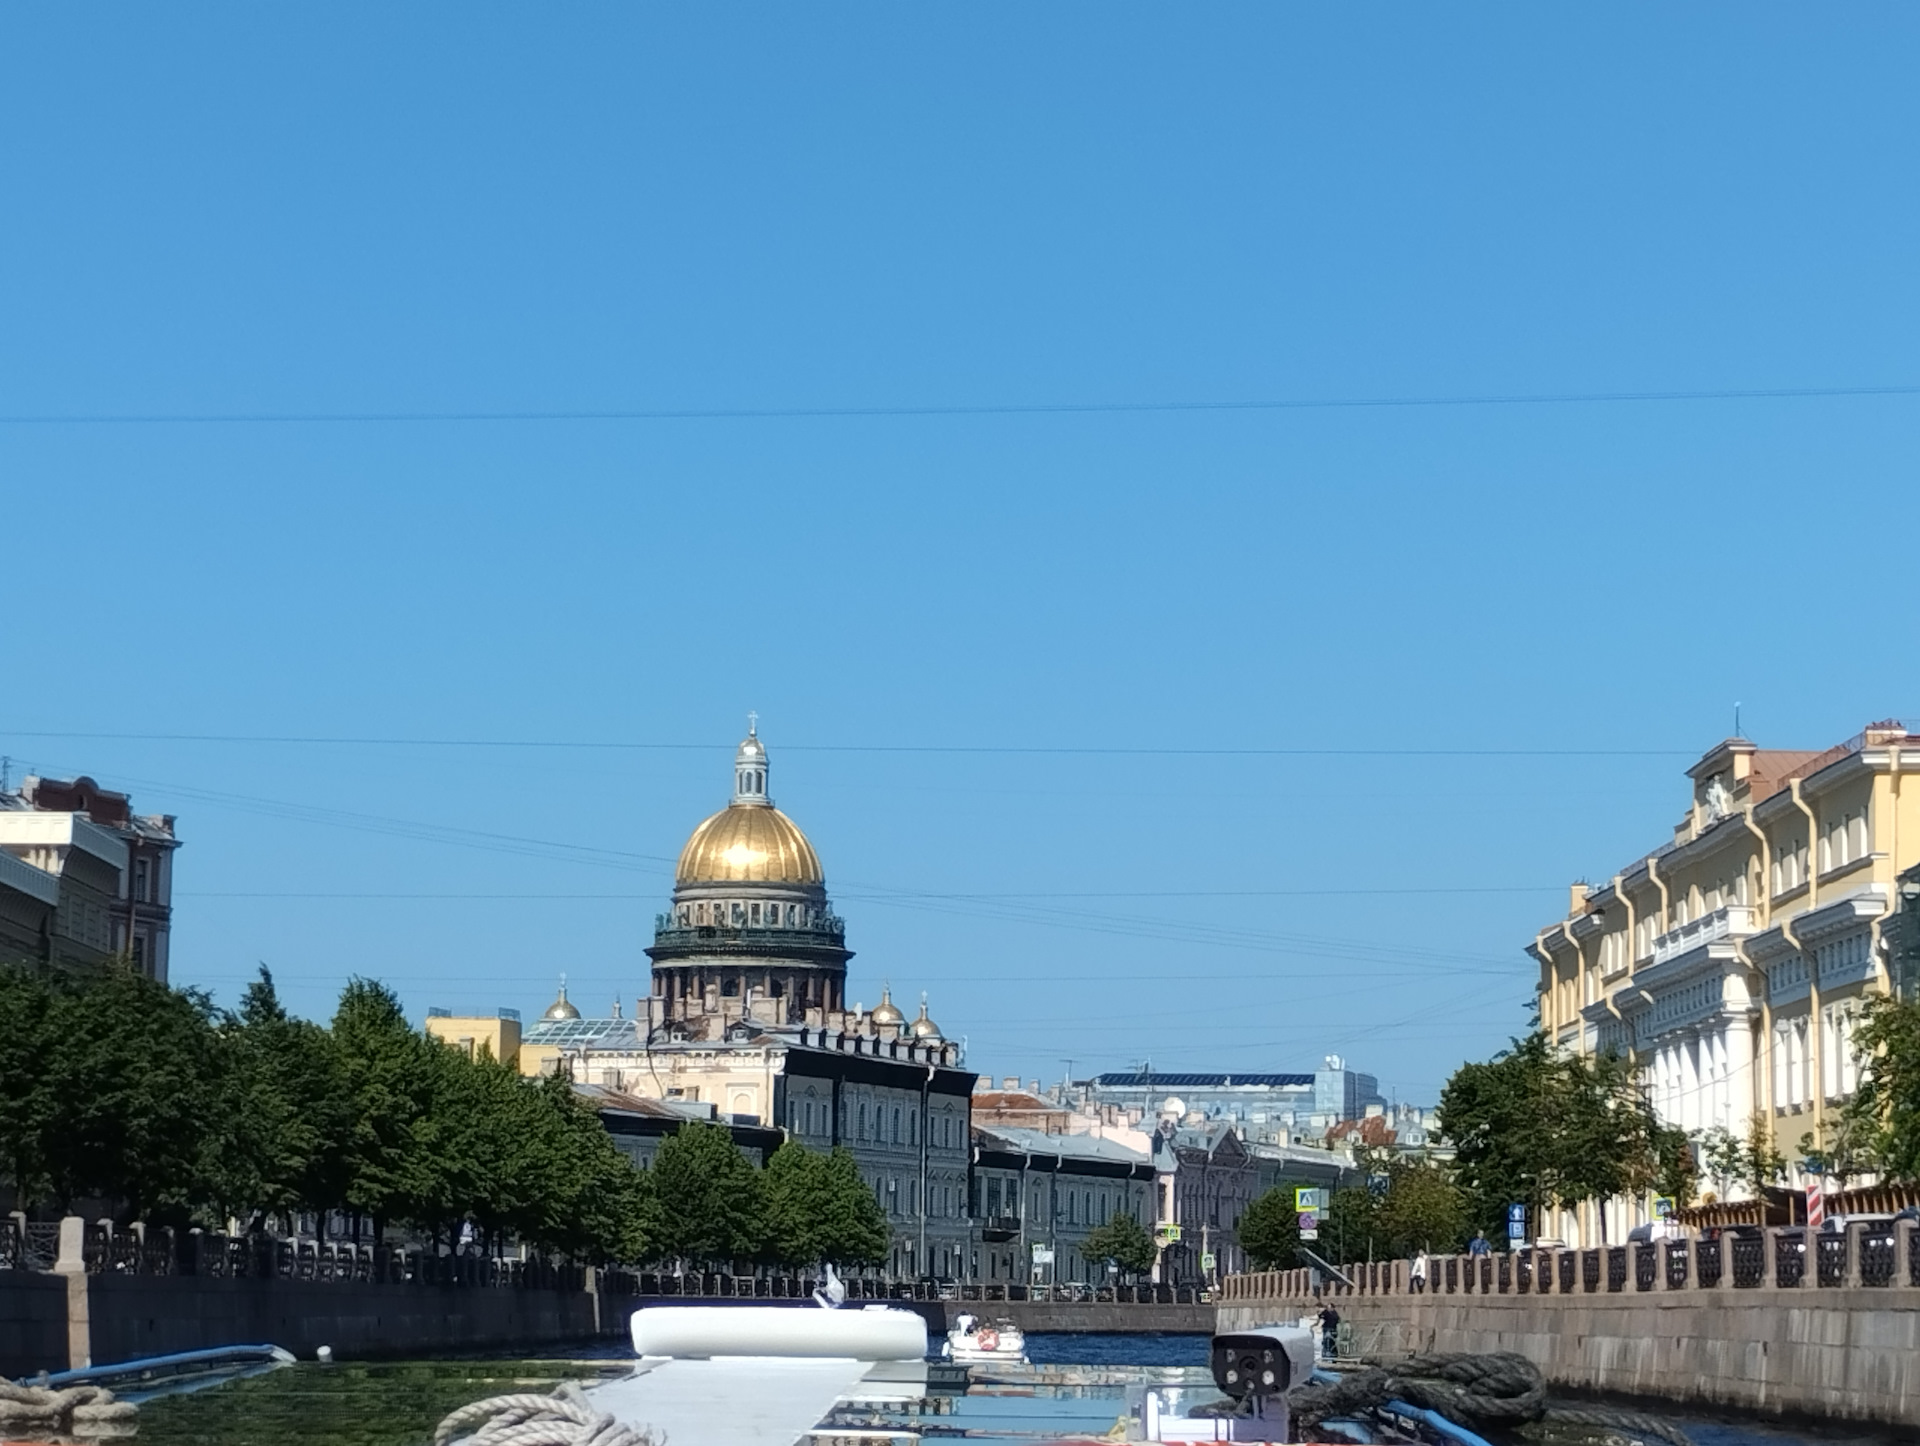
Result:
[1836,1335]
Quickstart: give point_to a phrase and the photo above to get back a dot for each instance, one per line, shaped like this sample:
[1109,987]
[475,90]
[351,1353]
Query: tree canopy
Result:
[1546,1129]
[1122,1240]
[710,1197]
[1270,1231]
[123,1090]
[1410,1204]
[818,1210]
[1883,1117]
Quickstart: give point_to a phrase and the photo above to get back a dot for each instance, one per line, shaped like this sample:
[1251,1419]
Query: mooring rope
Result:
[566,1418]
[1500,1389]
[85,1411]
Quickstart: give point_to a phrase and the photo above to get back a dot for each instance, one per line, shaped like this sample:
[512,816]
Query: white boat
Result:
[974,1342]
[730,1376]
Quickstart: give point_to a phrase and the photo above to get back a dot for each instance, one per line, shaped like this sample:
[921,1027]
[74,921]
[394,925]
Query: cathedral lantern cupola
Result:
[750,769]
[750,919]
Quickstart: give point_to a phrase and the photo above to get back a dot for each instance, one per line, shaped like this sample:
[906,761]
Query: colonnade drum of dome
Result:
[750,935]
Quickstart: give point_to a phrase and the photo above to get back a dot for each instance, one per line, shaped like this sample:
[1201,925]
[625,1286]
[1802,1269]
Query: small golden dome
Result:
[923,1027]
[749,843]
[885,1012]
[561,1008]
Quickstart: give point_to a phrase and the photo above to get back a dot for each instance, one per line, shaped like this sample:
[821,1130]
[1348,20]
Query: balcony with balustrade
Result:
[1731,921]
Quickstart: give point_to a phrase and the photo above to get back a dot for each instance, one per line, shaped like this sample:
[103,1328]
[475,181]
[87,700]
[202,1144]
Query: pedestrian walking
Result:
[1329,1330]
[1417,1277]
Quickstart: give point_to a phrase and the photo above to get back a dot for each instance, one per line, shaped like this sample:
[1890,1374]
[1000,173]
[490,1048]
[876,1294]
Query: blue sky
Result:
[1521,621]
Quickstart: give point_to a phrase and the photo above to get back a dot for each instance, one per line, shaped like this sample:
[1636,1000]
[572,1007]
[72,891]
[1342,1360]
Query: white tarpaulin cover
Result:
[682,1331]
[731,1400]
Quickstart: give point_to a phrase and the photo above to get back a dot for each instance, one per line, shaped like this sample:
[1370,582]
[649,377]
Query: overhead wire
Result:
[975,409]
[1123,925]
[1033,750]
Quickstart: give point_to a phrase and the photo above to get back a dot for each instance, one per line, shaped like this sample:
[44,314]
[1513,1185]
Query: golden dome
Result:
[561,1008]
[749,843]
[923,1027]
[885,1012]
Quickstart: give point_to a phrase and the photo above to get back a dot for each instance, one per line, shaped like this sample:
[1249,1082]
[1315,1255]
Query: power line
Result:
[346,741]
[1004,409]
[1196,933]
[976,897]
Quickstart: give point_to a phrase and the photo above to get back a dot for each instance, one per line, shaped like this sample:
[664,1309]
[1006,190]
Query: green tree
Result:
[285,1116]
[1422,1209]
[1350,1230]
[1544,1129]
[790,1188]
[709,1196]
[818,1209]
[853,1228]
[389,1073]
[1270,1231]
[1884,1112]
[1497,1115]
[28,1046]
[1122,1240]
[133,1082]
[1676,1173]
[592,1201]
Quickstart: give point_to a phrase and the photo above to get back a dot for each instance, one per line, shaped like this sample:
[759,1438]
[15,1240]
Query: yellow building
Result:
[497,1034]
[1732,961]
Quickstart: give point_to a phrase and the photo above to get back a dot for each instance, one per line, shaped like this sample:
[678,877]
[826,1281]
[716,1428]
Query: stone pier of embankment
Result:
[1657,1321]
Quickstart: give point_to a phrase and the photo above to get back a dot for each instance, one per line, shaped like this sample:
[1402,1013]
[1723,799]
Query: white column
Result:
[1722,1077]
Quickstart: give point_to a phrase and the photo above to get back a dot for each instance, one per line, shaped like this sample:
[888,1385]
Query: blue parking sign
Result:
[1516,1222]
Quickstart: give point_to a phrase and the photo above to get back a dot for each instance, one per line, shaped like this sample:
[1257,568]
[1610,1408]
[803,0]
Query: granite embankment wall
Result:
[1090,1318]
[1063,1317]
[33,1322]
[1769,1335]
[51,1322]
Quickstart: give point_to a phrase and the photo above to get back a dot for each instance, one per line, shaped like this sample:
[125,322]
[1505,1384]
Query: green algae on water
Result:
[349,1404]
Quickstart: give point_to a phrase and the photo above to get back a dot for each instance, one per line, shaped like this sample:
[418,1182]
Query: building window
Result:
[896,1124]
[143,880]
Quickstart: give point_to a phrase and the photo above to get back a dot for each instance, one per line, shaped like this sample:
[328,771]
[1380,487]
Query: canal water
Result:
[399,1403]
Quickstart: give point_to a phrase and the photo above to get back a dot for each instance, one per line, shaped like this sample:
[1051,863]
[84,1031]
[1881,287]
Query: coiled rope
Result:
[84,1411]
[566,1418]
[1500,1389]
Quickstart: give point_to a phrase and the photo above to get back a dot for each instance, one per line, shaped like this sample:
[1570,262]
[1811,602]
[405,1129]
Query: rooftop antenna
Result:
[1736,720]
[6,774]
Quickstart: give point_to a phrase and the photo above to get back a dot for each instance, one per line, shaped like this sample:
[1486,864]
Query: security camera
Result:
[1264,1361]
